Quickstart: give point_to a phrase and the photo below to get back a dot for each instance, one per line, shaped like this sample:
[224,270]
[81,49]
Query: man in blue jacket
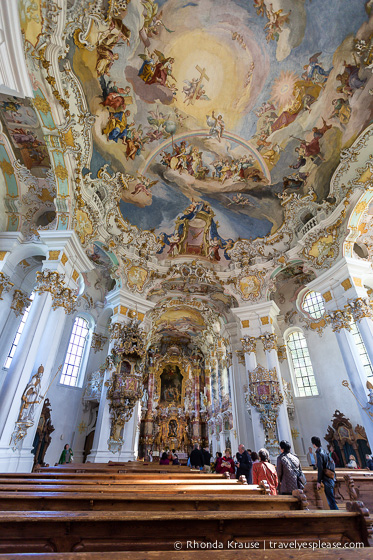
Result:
[322,464]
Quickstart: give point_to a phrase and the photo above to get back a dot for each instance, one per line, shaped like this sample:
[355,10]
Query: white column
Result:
[24,359]
[100,452]
[122,303]
[40,338]
[365,325]
[249,347]
[283,424]
[131,434]
[356,375]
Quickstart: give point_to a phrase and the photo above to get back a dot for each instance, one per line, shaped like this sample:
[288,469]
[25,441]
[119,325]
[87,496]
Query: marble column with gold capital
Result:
[346,300]
[55,289]
[125,307]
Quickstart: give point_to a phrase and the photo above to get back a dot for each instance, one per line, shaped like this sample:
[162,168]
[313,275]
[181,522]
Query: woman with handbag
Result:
[264,470]
[289,470]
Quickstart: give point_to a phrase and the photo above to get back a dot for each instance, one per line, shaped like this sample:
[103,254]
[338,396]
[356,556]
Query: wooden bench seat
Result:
[75,501]
[353,485]
[327,554]
[81,480]
[230,489]
[114,476]
[97,531]
[118,467]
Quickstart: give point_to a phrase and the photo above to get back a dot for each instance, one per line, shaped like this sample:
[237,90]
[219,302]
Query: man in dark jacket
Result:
[206,459]
[244,464]
[322,462]
[196,457]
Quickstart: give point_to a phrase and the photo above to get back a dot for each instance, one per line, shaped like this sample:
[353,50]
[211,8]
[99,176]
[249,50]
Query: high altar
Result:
[174,411]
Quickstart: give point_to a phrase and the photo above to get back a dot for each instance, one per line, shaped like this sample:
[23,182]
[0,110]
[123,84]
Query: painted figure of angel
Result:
[148,66]
[275,22]
[314,70]
[153,21]
[163,71]
[216,125]
[193,91]
[157,121]
[260,7]
[144,185]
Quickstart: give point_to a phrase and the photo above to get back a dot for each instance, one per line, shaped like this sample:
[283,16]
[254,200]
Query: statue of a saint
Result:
[30,397]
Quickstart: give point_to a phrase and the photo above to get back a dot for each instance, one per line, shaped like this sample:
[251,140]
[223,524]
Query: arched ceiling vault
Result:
[228,138]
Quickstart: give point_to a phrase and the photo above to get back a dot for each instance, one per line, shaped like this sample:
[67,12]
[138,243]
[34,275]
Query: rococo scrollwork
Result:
[266,397]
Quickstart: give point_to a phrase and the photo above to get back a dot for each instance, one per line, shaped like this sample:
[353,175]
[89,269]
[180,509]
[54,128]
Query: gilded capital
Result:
[359,308]
[269,341]
[54,283]
[339,320]
[5,284]
[248,344]
[20,302]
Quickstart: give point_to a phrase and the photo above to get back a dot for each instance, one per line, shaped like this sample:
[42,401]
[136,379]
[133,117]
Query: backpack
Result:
[301,479]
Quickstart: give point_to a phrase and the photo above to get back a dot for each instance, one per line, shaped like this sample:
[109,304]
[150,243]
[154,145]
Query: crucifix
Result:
[203,75]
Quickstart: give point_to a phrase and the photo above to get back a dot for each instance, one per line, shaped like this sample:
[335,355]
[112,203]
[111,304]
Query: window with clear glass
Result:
[362,350]
[301,365]
[314,305]
[75,352]
[16,339]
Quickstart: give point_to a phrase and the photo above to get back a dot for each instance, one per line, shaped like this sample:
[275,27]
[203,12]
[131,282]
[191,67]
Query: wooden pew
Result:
[218,489]
[81,479]
[350,485]
[97,531]
[185,477]
[119,467]
[331,554]
[136,501]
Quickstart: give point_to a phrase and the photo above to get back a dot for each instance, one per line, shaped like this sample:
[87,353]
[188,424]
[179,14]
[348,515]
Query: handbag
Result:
[329,470]
[329,473]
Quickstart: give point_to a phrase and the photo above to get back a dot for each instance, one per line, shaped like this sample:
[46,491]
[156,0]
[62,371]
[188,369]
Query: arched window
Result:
[300,362]
[75,352]
[313,304]
[362,350]
[16,339]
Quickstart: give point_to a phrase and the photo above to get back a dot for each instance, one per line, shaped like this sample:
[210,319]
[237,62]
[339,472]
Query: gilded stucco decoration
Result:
[5,284]
[20,302]
[269,341]
[266,397]
[248,344]
[98,342]
[54,283]
[359,308]
[339,320]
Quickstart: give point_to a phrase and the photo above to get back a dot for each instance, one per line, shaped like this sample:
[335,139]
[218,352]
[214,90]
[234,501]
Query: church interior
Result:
[186,250]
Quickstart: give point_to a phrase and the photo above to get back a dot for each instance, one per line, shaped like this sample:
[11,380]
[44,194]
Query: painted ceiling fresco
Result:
[217,107]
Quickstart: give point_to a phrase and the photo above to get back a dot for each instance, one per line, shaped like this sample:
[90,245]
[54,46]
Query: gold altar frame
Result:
[184,367]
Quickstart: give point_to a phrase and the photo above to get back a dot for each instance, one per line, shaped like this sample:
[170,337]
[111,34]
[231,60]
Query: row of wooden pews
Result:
[351,485]
[104,510]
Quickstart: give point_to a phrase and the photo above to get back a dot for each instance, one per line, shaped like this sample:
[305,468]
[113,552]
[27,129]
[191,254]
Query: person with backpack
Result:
[289,470]
[325,472]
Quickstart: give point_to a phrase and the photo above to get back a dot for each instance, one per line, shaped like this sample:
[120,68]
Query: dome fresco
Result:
[222,105]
